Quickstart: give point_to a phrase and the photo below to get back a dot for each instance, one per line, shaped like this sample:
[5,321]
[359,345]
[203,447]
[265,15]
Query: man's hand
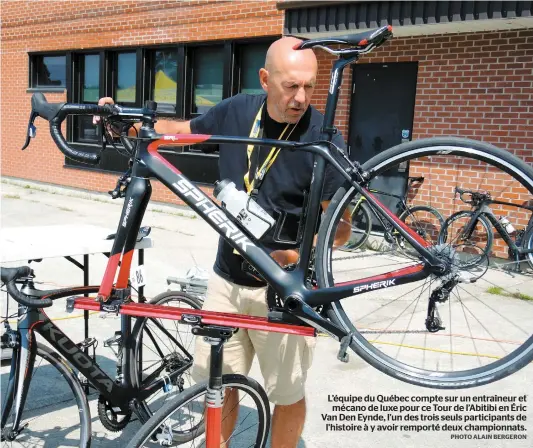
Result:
[161,127]
[285,257]
[101,102]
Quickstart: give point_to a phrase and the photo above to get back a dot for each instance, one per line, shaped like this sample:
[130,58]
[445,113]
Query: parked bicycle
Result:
[423,219]
[420,320]
[471,230]
[152,362]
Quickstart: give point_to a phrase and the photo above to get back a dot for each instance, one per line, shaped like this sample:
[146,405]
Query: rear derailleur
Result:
[439,295]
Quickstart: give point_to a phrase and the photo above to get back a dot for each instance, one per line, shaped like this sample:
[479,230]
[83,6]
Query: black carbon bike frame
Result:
[121,394]
[298,298]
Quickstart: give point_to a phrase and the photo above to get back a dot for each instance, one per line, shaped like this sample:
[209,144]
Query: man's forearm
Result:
[166,127]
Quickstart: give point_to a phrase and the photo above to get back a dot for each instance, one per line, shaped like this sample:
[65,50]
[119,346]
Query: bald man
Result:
[288,79]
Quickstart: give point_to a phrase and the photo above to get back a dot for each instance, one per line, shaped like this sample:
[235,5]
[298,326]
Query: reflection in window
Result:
[208,75]
[91,78]
[50,71]
[127,71]
[252,59]
[166,75]
[86,130]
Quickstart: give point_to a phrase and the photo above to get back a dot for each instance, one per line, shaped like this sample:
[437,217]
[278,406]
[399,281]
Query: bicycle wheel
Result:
[56,412]
[426,221]
[164,346]
[476,246]
[361,226]
[251,427]
[482,326]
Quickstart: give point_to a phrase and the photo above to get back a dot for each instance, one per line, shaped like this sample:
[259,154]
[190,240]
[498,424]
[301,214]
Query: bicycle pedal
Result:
[114,340]
[89,342]
[343,356]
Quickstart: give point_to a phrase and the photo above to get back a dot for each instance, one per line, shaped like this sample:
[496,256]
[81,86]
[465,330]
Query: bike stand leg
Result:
[216,337]
[215,395]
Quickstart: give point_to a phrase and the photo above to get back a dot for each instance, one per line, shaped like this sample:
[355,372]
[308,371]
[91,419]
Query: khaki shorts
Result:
[284,359]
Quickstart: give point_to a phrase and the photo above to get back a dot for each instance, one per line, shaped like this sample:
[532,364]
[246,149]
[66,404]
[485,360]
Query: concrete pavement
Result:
[182,240]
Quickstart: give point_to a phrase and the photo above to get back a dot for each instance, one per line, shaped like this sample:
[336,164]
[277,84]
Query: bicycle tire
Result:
[240,382]
[57,362]
[436,149]
[359,237]
[485,251]
[171,355]
[426,232]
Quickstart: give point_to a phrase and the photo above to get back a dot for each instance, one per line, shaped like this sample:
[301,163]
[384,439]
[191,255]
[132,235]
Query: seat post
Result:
[333,95]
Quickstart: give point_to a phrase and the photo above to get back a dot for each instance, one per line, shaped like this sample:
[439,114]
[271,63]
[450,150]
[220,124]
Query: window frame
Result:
[237,66]
[78,77]
[32,71]
[226,48]
[187,162]
[165,109]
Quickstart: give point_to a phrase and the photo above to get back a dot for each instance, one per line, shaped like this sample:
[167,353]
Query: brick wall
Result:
[477,85]
[27,26]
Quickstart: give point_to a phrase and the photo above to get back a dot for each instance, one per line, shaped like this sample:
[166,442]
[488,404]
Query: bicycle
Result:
[151,361]
[424,219]
[472,230]
[410,318]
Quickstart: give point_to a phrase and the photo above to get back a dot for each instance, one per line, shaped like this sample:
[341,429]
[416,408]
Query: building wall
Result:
[477,85]
[27,26]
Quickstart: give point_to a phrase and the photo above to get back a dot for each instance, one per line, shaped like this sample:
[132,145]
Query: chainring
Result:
[113,419]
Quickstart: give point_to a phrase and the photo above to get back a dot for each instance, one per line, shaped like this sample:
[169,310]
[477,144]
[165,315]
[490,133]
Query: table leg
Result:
[86,312]
[141,288]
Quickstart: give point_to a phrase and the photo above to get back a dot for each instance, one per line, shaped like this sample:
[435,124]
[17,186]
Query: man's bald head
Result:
[281,54]
[289,79]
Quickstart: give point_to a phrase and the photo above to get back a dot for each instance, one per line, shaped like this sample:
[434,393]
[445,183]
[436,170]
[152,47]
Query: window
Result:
[165,76]
[48,71]
[91,78]
[126,78]
[208,74]
[251,59]
[89,85]
[185,80]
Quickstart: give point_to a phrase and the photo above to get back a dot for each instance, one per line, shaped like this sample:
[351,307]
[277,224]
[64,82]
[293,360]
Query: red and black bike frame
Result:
[289,285]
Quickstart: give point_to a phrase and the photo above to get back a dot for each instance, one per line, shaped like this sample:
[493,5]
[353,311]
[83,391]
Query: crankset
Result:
[113,418]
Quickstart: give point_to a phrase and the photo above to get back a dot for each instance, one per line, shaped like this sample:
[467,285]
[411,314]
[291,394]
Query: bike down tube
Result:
[250,249]
[81,361]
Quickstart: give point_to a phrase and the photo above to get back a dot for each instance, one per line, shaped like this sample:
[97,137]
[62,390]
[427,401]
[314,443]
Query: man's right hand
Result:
[163,126]
[101,102]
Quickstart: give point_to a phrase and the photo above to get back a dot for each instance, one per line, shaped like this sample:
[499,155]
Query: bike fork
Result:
[19,382]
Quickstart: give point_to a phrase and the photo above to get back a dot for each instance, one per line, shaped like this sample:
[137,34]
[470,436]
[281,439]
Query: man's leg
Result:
[284,360]
[288,424]
[230,412]
[223,296]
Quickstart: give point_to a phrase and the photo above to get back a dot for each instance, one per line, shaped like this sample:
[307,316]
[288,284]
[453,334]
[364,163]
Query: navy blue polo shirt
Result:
[283,185]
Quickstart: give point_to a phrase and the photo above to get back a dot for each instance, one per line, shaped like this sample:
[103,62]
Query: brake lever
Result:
[32,130]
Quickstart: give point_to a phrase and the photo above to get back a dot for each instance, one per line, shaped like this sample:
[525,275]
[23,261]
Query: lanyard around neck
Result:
[259,174]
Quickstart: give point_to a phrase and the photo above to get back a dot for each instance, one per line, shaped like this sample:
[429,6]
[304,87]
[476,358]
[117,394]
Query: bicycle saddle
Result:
[359,40]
